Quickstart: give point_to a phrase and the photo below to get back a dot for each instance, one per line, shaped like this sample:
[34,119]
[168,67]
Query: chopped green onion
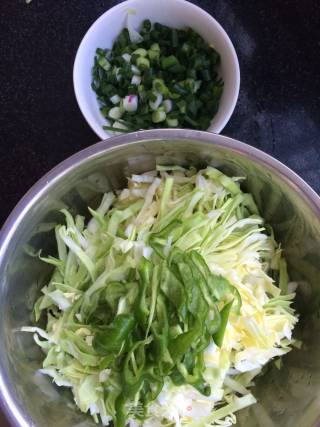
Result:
[126,57]
[174,38]
[158,116]
[115,99]
[169,61]
[140,52]
[116,128]
[130,103]
[176,63]
[206,75]
[143,63]
[159,86]
[190,121]
[136,80]
[104,63]
[157,100]
[186,48]
[197,85]
[182,105]
[153,55]
[146,25]
[135,70]
[115,113]
[180,89]
[120,126]
[133,35]
[167,105]
[155,47]
[172,123]
[117,73]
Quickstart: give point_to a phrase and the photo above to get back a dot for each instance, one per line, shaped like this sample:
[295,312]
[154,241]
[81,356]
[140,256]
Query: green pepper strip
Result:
[218,336]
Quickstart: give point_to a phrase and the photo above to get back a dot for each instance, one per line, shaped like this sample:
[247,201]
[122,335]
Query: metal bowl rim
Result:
[7,398]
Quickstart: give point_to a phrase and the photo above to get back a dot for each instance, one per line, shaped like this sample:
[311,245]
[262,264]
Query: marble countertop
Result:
[278,111]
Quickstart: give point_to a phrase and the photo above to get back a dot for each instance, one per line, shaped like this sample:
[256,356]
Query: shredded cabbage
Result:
[167,304]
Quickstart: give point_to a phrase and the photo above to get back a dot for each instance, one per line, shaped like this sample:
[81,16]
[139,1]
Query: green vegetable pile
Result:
[153,303]
[160,77]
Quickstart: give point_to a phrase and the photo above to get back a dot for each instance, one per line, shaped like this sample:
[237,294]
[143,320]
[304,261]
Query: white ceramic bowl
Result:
[174,13]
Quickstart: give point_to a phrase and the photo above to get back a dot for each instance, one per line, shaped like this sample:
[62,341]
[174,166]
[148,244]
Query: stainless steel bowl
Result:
[289,397]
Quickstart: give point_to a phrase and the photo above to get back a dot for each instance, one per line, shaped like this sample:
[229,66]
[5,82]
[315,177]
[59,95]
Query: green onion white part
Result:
[172,123]
[157,101]
[140,52]
[173,238]
[126,57]
[136,80]
[158,116]
[115,113]
[133,34]
[115,99]
[117,72]
[135,70]
[167,105]
[119,126]
[130,103]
